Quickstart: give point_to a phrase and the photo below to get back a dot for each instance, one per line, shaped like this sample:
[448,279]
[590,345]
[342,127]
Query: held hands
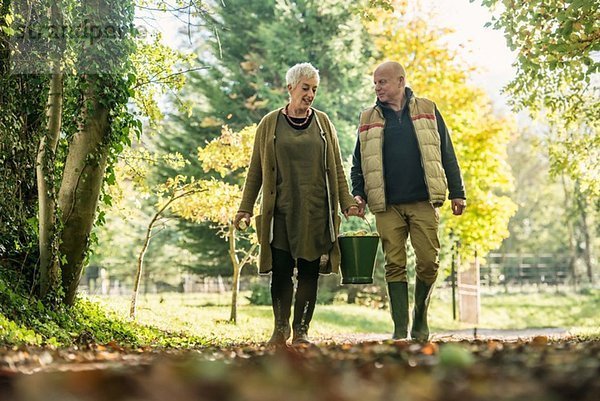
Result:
[359,210]
[458,206]
[351,211]
[241,217]
[361,206]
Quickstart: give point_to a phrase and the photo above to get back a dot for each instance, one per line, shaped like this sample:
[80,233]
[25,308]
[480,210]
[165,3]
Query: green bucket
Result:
[358,258]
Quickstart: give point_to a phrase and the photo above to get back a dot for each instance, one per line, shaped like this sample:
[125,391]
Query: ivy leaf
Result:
[8,30]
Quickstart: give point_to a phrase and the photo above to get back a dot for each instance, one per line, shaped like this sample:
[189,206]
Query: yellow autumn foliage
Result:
[229,156]
[229,152]
[217,203]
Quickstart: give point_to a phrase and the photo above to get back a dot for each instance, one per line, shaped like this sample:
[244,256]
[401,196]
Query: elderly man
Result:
[403,165]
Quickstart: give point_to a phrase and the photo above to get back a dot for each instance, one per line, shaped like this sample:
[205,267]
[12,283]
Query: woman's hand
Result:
[351,211]
[239,217]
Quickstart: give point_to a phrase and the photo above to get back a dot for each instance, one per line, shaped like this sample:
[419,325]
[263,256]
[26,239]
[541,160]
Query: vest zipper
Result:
[380,112]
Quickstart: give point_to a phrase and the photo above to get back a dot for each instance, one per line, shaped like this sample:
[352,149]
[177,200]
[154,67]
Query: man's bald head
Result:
[391,67]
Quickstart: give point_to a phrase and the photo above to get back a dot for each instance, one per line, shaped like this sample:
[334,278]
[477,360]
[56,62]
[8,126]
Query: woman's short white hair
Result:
[299,71]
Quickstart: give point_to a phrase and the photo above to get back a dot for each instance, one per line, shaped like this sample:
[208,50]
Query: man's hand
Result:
[458,206]
[239,217]
[361,206]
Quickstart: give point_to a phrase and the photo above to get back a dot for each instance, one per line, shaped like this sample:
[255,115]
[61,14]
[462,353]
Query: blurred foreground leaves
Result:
[536,369]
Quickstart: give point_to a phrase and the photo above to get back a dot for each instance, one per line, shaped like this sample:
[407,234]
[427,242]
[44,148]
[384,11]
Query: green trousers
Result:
[420,222]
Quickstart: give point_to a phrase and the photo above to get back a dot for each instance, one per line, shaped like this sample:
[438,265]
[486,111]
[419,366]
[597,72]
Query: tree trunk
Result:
[45,182]
[140,265]
[235,287]
[237,270]
[570,230]
[45,166]
[82,179]
[582,206]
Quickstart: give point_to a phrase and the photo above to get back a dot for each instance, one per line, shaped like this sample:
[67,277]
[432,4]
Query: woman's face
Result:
[303,94]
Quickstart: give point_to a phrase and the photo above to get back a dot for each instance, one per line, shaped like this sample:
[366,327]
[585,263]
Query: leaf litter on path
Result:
[539,368]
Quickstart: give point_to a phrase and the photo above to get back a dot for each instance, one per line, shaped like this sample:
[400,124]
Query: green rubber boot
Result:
[420,328]
[398,293]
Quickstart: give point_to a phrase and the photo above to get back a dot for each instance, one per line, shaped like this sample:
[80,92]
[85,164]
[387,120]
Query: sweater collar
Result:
[408,94]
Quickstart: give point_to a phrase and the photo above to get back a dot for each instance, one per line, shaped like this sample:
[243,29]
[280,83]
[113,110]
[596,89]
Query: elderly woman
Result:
[296,160]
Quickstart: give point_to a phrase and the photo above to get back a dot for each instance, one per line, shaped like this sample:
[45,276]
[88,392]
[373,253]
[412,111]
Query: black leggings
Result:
[282,288]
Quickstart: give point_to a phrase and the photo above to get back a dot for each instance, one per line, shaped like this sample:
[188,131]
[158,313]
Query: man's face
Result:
[388,85]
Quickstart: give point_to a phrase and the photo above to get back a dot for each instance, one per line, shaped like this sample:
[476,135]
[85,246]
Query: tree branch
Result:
[248,255]
[164,79]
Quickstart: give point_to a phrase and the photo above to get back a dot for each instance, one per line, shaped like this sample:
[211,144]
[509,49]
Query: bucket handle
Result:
[369,224]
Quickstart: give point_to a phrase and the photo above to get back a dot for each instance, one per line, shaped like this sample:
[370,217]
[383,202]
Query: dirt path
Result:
[29,360]
[459,335]
[541,364]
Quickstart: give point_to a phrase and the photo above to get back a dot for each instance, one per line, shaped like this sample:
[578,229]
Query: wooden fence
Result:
[508,270]
[504,269]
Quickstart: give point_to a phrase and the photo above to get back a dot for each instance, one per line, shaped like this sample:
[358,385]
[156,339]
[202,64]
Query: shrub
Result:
[260,294]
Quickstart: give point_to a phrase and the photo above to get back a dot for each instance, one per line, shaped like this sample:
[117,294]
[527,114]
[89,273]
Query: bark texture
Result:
[80,187]
[45,183]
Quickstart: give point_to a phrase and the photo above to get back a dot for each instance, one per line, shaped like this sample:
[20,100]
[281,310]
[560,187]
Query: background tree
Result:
[557,77]
[131,182]
[550,218]
[246,78]
[83,153]
[555,41]
[23,103]
[480,137]
[87,89]
[174,190]
[537,226]
[557,82]
[229,156]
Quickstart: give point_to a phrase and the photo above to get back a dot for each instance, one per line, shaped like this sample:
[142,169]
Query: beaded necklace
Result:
[289,118]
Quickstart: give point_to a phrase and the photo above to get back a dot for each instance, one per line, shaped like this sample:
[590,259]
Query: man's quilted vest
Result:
[370,131]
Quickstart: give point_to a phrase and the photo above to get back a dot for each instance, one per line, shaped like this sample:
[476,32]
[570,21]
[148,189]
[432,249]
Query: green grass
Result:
[206,315]
[24,320]
[193,320]
[577,312]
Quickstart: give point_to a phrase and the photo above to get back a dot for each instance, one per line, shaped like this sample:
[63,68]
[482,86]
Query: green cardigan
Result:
[262,174]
